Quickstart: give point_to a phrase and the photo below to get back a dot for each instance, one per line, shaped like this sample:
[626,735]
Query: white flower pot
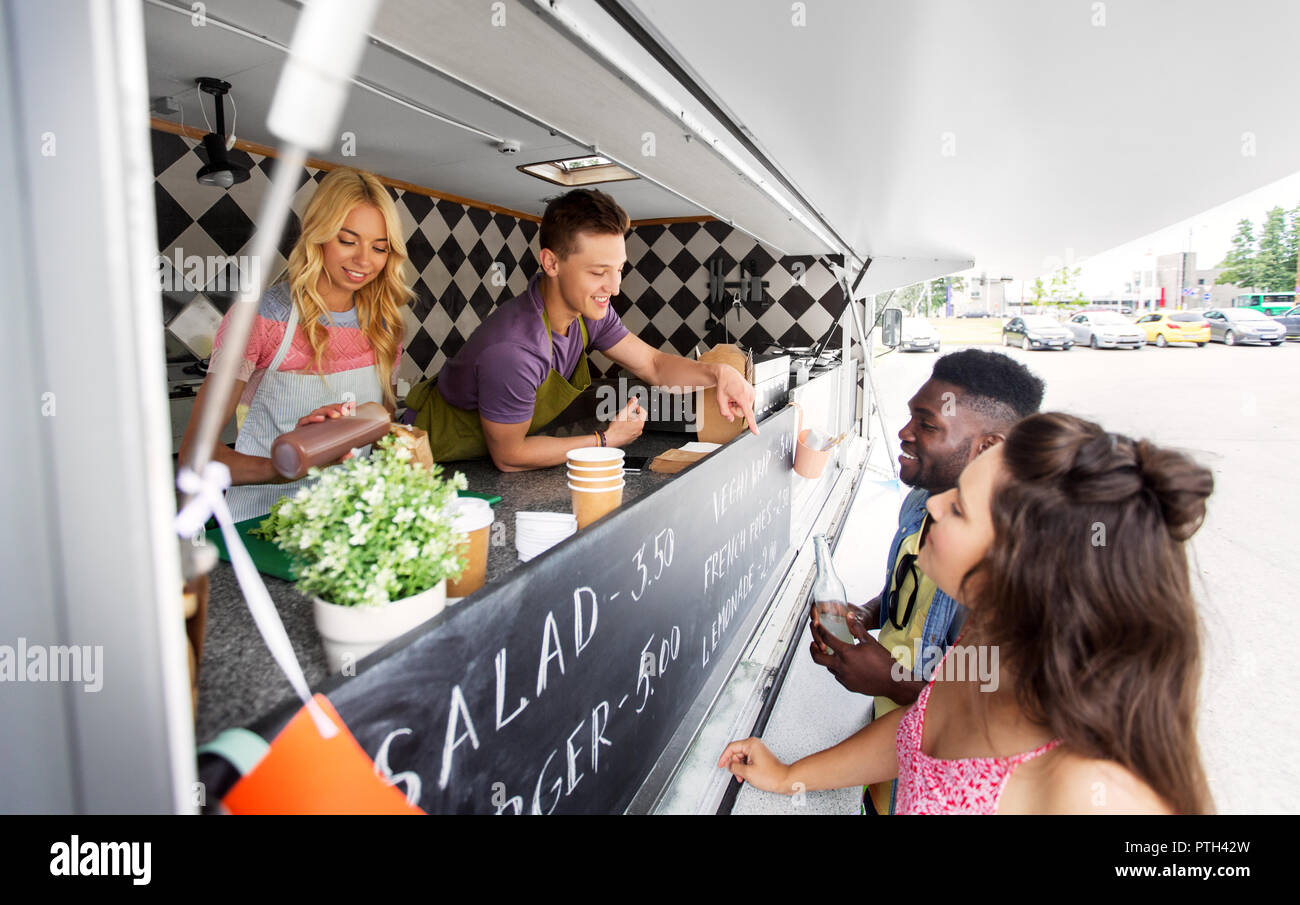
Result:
[351,632]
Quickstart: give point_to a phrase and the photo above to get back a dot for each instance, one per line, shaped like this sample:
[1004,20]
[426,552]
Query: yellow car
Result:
[1165,327]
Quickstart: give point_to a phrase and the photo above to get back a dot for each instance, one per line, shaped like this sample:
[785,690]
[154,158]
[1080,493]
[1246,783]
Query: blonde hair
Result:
[380,301]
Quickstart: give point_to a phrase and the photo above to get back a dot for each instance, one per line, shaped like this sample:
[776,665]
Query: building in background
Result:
[1175,280]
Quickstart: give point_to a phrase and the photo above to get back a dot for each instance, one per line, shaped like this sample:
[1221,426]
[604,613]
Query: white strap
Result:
[286,341]
[206,500]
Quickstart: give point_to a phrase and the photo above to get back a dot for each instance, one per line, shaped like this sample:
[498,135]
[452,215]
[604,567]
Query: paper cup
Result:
[598,482]
[588,477]
[590,504]
[595,457]
[474,518]
[609,467]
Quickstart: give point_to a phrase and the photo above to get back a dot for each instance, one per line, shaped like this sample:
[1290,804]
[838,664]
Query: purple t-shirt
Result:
[498,370]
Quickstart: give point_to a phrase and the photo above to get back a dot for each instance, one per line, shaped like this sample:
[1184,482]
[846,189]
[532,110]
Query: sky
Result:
[1209,234]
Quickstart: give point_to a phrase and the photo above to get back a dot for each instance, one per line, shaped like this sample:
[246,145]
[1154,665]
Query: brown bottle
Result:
[324,442]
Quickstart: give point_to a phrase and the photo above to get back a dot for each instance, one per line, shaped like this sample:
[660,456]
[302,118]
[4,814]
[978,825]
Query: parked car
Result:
[1244,325]
[1291,321]
[1106,330]
[1036,331]
[919,336]
[1165,327]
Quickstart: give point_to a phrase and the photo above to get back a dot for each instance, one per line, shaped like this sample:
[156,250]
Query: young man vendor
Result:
[528,361]
[971,401]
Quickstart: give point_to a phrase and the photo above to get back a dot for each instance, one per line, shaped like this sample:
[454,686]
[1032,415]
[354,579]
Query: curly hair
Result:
[994,384]
[1085,590]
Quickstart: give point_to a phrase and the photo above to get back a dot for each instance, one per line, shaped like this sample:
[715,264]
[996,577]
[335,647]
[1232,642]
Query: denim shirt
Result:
[946,616]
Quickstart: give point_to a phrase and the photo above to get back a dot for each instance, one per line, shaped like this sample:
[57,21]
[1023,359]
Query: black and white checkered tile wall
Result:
[468,259]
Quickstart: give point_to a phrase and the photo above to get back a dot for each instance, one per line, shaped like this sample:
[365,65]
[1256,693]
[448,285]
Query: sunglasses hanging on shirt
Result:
[906,565]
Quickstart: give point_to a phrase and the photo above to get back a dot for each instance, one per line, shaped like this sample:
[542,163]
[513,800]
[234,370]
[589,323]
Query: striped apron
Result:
[280,400]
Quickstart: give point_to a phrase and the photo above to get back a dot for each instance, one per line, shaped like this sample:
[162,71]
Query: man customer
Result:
[971,401]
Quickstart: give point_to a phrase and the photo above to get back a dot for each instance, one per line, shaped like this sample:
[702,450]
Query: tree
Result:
[1039,293]
[1292,247]
[909,297]
[939,292]
[1239,264]
[1062,291]
[1272,272]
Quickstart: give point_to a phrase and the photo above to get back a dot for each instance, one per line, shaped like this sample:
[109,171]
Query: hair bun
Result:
[1179,484]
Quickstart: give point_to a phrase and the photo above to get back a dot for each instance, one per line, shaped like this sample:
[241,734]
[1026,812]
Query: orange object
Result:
[809,462]
[303,773]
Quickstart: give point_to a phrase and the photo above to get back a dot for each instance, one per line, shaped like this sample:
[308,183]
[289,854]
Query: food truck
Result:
[785,166]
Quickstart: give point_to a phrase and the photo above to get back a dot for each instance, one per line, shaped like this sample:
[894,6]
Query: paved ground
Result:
[1235,410]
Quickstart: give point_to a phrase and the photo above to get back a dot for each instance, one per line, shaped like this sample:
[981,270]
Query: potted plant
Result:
[373,544]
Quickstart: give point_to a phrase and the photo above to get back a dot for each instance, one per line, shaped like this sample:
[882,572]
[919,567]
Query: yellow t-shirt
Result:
[899,642]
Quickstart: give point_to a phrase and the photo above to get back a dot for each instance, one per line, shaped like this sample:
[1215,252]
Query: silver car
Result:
[1243,325]
[1106,330]
[919,336]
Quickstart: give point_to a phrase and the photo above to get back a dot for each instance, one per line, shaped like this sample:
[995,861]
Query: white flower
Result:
[403,516]
[408,550]
[375,493]
[376,594]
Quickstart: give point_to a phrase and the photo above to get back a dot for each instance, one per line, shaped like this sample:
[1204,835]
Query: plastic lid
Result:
[472,514]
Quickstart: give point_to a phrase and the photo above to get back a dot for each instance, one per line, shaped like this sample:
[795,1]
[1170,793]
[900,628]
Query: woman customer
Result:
[327,334]
[1067,544]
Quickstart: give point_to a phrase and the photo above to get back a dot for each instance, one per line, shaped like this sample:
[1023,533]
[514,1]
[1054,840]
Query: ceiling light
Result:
[218,171]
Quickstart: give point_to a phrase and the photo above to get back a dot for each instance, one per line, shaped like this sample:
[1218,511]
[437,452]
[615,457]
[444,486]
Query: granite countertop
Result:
[239,681]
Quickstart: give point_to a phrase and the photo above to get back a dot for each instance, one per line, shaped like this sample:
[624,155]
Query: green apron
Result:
[456,433]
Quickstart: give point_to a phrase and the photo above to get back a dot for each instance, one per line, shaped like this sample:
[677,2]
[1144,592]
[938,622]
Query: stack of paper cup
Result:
[536,532]
[595,482]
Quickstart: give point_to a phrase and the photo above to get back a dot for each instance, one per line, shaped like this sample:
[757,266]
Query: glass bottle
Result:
[829,596]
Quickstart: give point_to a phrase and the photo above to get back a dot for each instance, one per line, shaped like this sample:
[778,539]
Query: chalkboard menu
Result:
[557,690]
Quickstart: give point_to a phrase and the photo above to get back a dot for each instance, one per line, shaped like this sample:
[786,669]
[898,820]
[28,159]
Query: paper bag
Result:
[417,441]
[710,426]
[674,460]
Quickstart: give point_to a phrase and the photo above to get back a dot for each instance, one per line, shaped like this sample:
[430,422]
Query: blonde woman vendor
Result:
[329,332]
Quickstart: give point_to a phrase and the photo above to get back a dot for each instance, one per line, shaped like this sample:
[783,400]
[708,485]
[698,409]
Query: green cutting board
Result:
[270,559]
